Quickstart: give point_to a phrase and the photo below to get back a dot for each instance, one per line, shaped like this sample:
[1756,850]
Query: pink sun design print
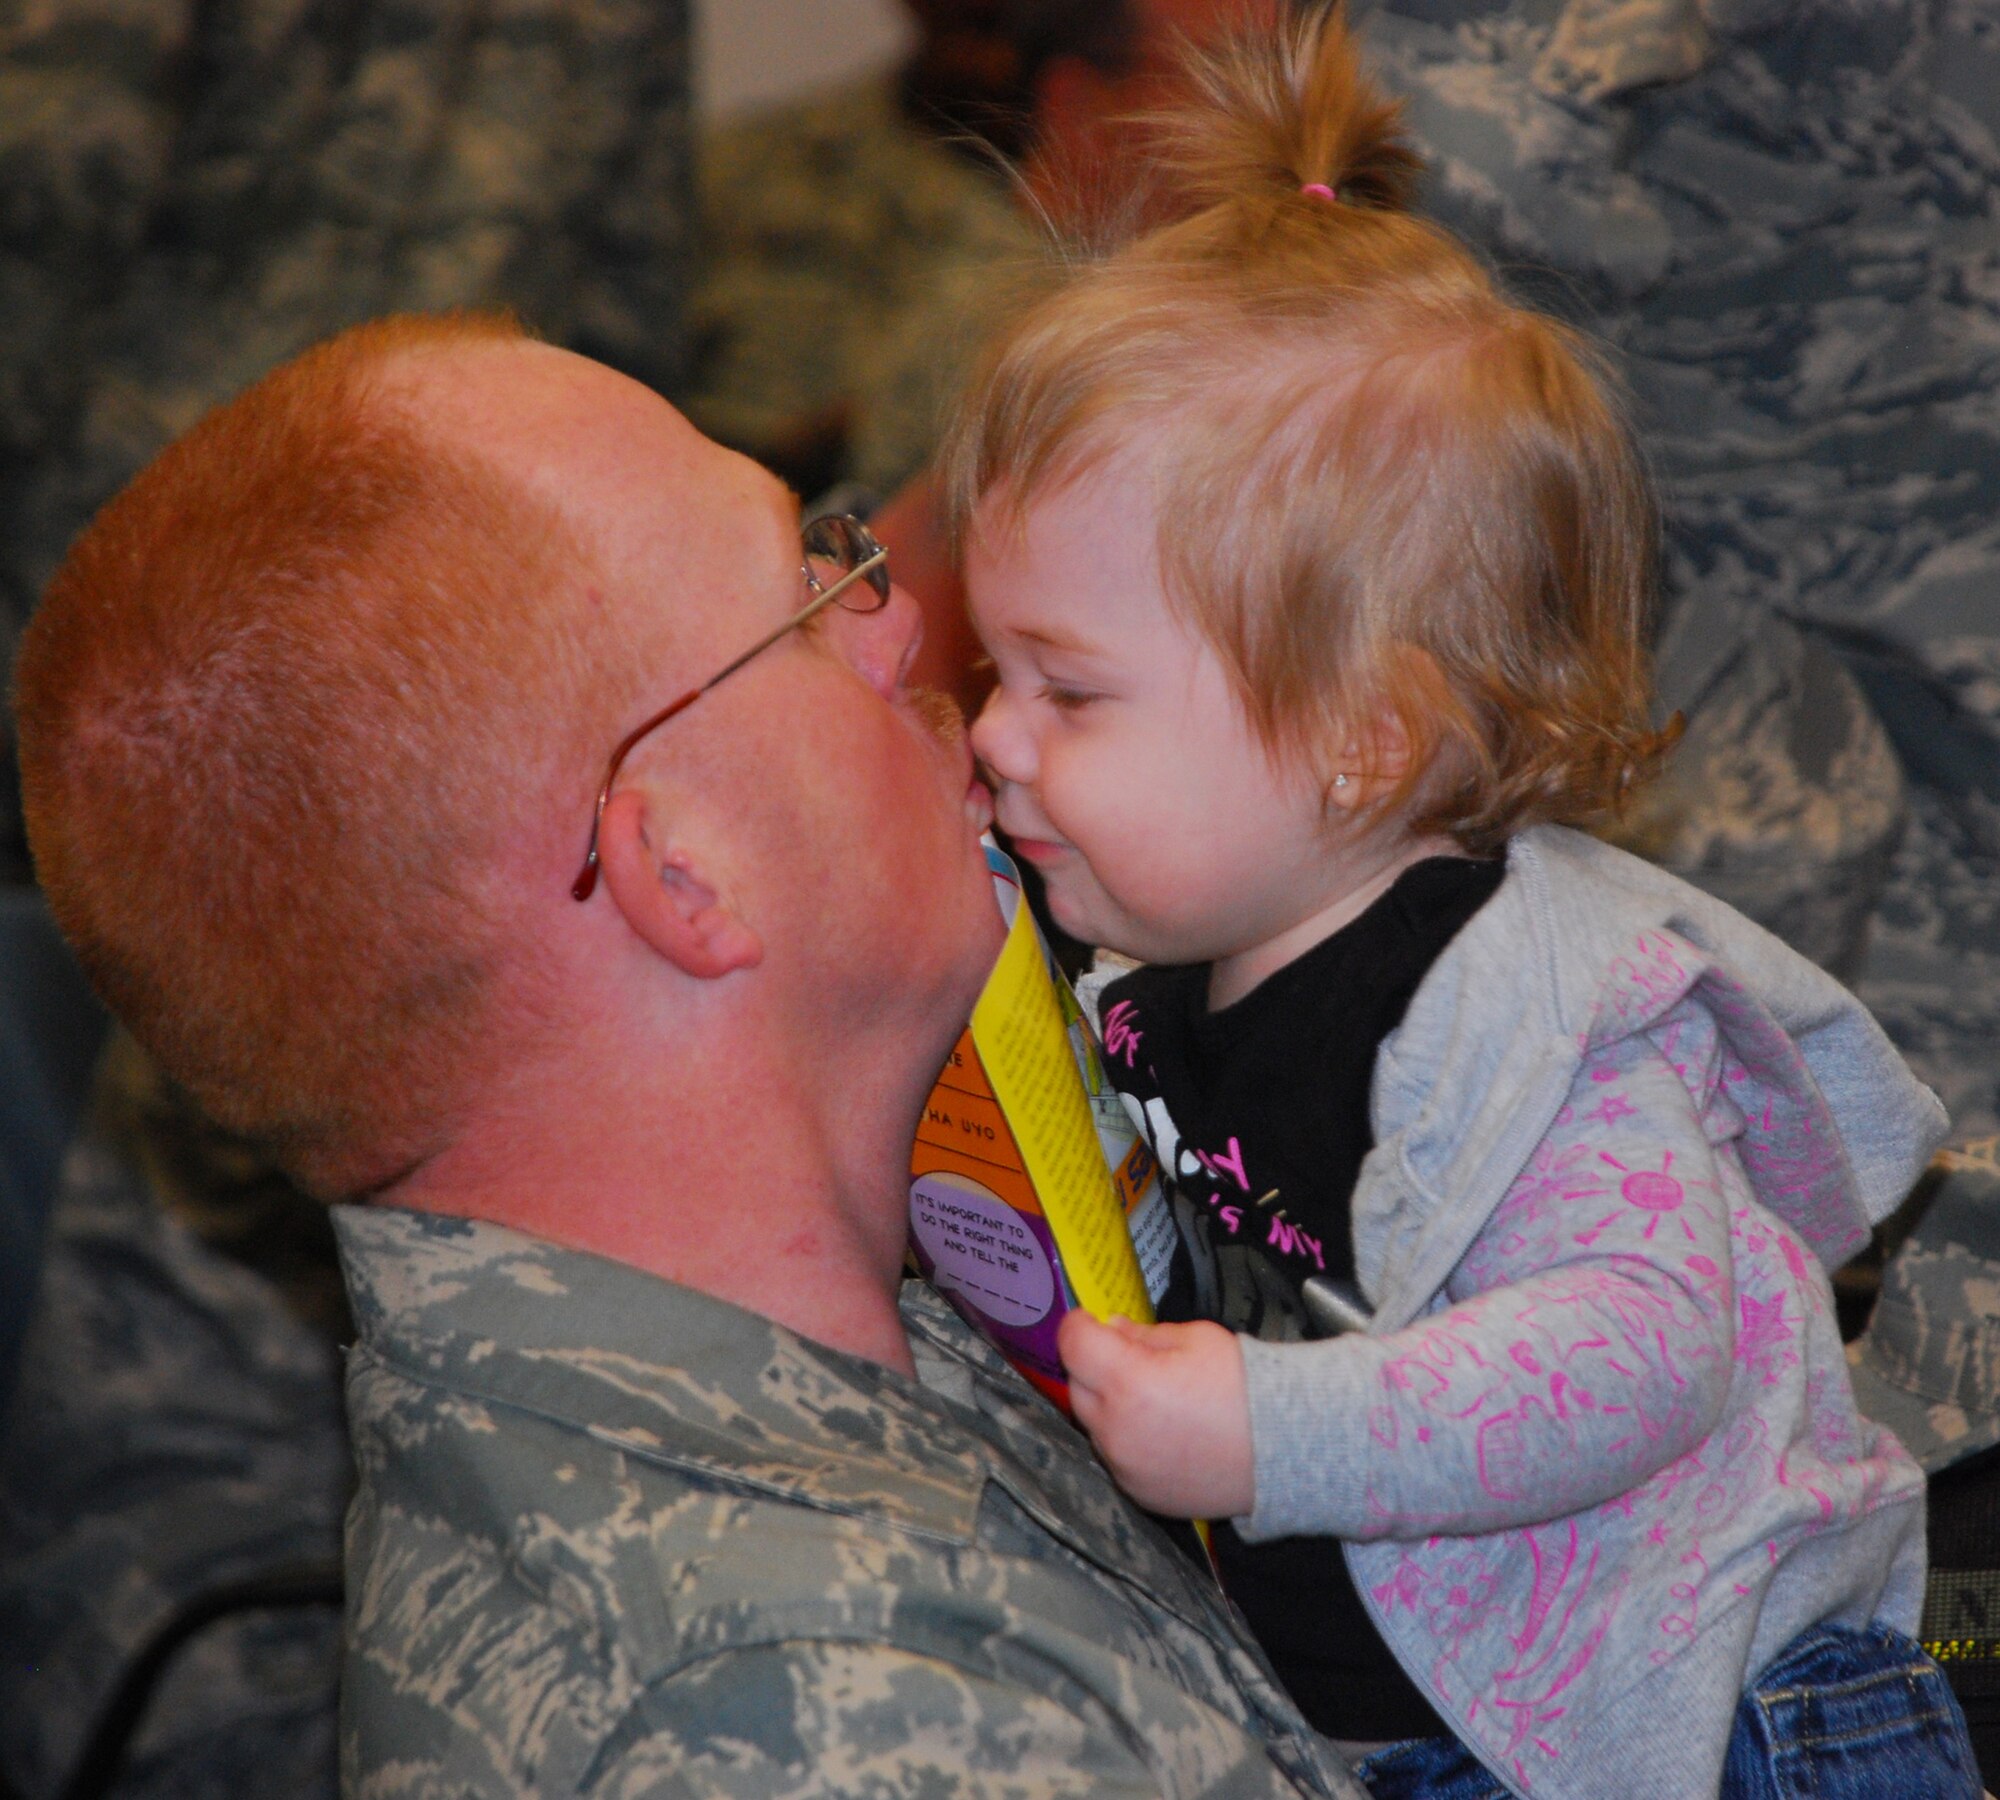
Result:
[1553,1179]
[1658,1192]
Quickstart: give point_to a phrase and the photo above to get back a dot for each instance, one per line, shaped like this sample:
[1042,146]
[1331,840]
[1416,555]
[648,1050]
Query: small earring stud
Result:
[1339,779]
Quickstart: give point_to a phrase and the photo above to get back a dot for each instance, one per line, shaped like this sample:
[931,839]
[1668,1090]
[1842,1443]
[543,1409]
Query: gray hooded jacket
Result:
[1595,1458]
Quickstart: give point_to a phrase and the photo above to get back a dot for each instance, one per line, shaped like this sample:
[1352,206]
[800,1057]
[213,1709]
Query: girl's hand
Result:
[1168,1410]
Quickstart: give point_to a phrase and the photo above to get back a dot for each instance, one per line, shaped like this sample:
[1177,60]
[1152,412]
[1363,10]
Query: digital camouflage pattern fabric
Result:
[172,1478]
[614,1535]
[1928,1366]
[194,192]
[1784,215]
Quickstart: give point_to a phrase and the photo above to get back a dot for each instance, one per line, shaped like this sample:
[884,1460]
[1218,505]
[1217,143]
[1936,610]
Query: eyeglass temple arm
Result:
[586,882]
[822,599]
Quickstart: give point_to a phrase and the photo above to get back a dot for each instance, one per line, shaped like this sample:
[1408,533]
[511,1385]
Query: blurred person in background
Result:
[190,192]
[857,247]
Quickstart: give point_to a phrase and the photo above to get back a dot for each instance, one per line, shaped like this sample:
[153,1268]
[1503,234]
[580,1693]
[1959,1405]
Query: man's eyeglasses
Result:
[852,572]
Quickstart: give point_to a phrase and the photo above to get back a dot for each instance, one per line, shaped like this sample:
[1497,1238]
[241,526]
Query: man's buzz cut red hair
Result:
[275,710]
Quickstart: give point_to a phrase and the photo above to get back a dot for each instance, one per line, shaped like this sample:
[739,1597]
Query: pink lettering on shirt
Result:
[1121,1037]
[1291,1239]
[1229,1162]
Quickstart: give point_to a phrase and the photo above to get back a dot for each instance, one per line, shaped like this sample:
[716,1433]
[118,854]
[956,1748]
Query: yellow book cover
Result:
[1030,1191]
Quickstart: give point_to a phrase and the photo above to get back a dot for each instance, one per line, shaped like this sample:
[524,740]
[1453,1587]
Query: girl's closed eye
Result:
[1065,698]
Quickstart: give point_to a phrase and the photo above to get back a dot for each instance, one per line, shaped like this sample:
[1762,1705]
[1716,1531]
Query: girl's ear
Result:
[1378,754]
[666,895]
[1368,763]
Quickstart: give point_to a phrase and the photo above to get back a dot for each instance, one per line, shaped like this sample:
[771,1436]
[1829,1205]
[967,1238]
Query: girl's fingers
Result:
[1090,1349]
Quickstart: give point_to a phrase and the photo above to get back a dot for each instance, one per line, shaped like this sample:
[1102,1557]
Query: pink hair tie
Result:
[1317,190]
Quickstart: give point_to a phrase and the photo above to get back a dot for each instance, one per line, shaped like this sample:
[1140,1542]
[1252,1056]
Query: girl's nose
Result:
[1000,742]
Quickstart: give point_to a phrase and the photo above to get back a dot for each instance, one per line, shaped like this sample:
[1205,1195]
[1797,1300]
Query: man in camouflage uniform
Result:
[1785,216]
[658,1486]
[859,244]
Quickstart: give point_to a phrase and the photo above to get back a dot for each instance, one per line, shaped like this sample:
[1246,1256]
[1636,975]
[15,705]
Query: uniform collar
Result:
[674,1377]
[663,1372]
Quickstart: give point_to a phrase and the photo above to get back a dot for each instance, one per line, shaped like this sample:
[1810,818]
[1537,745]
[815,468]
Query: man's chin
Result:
[988,929]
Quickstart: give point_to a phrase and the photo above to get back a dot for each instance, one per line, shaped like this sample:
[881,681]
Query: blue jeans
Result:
[1837,1715]
[1850,1715]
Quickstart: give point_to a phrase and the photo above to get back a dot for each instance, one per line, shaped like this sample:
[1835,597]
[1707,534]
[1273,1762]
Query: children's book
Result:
[1030,1191]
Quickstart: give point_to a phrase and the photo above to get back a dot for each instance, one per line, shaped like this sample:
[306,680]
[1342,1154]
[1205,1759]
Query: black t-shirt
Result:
[1260,1114]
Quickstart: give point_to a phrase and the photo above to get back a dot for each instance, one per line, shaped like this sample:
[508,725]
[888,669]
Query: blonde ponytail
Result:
[1264,122]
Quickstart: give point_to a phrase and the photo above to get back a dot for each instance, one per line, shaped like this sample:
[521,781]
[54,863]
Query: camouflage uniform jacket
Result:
[1785,217]
[613,1535]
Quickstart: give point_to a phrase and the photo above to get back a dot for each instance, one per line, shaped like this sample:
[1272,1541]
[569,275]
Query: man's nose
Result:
[881,644]
[1000,742]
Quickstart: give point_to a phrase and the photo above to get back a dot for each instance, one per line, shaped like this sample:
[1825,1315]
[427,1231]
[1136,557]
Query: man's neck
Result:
[767,1204]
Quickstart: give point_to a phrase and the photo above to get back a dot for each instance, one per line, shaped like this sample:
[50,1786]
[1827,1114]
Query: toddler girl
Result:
[1510,1169]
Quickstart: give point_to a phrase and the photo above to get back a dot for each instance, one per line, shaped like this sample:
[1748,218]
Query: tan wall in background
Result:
[749,52]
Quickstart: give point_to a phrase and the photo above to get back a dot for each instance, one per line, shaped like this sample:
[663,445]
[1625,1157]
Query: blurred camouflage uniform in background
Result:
[172,1479]
[1785,217]
[1929,1369]
[853,260]
[192,191]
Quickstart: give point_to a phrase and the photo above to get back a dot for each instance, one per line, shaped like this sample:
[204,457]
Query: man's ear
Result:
[662,890]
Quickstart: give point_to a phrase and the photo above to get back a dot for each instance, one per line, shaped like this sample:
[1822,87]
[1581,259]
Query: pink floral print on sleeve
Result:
[1590,1334]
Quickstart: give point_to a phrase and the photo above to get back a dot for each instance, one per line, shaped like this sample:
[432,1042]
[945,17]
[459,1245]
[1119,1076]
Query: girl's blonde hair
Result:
[1383,488]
